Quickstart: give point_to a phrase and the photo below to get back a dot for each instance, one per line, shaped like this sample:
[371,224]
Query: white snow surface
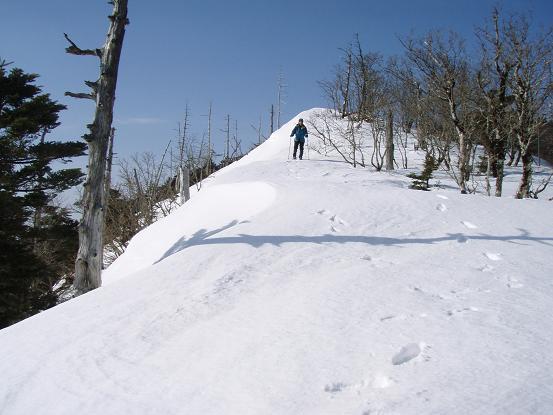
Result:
[306,287]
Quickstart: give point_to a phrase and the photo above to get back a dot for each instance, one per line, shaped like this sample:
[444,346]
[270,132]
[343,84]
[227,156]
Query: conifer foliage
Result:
[38,239]
[421,181]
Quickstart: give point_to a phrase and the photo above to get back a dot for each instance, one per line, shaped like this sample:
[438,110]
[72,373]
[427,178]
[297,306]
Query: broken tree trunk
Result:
[88,265]
[184,184]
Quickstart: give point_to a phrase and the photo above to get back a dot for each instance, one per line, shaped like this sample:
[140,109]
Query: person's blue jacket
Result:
[300,131]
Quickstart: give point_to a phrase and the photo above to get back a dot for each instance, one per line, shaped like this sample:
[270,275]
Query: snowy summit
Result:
[306,287]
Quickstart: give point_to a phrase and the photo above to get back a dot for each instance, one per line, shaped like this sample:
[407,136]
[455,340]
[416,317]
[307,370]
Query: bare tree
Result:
[88,265]
[390,140]
[143,195]
[346,137]
[535,191]
[198,155]
[257,129]
[360,93]
[236,144]
[209,151]
[443,69]
[272,118]
[493,82]
[227,132]
[337,90]
[183,171]
[407,96]
[281,86]
[532,85]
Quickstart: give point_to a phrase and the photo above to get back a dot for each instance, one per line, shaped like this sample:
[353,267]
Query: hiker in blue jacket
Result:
[300,131]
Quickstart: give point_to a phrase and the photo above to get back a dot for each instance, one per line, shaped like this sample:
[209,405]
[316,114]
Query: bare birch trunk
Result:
[88,265]
[526,179]
[463,155]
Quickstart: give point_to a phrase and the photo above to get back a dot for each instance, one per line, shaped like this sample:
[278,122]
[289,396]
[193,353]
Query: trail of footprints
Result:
[407,353]
[336,223]
[492,256]
[411,351]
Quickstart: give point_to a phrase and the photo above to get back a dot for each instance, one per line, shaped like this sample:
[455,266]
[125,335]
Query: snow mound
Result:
[217,207]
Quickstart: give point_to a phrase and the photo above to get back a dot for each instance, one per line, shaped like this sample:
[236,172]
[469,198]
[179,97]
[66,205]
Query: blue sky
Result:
[227,52]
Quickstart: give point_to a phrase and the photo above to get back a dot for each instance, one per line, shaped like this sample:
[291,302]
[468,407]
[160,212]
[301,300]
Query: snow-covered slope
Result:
[305,287]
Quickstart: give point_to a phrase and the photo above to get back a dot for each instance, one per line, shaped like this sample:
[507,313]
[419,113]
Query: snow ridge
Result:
[288,287]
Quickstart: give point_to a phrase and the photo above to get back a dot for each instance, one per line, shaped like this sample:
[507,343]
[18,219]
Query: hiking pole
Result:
[289,146]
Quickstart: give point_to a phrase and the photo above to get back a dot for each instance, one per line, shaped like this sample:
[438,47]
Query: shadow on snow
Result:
[204,237]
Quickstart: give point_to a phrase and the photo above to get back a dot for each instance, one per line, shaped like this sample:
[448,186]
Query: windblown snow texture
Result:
[306,288]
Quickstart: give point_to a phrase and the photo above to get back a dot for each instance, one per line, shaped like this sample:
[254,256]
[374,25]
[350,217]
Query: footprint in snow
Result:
[407,353]
[441,207]
[493,256]
[378,381]
[335,387]
[376,262]
[486,268]
[336,219]
[394,317]
[387,318]
[469,225]
[443,197]
[514,283]
[461,310]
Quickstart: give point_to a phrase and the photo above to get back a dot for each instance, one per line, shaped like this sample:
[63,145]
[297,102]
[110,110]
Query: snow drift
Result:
[305,287]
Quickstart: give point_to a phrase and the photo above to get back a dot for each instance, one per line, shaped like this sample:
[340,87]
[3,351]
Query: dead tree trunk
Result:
[109,162]
[227,154]
[209,153]
[272,129]
[259,132]
[280,95]
[184,184]
[88,265]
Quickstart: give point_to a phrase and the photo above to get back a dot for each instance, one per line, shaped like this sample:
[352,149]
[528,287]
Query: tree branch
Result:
[75,50]
[81,95]
[93,86]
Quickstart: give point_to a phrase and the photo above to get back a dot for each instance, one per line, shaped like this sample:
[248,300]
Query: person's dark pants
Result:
[300,144]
